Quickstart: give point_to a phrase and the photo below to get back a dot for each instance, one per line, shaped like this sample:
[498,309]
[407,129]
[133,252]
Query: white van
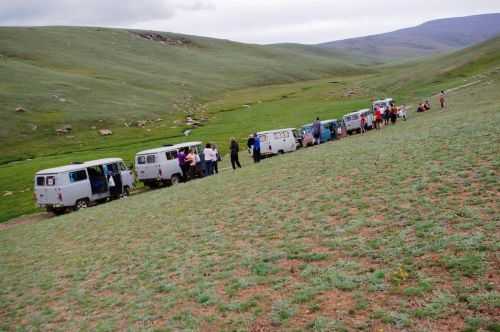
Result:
[161,166]
[383,104]
[278,141]
[353,120]
[78,185]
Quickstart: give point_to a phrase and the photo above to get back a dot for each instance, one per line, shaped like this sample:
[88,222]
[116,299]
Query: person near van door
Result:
[191,162]
[317,131]
[198,167]
[217,159]
[235,149]
[256,148]
[181,157]
[112,186]
[442,99]
[250,142]
[362,124]
[209,159]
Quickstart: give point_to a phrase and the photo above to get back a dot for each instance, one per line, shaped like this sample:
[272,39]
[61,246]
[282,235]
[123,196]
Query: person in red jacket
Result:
[378,117]
[362,124]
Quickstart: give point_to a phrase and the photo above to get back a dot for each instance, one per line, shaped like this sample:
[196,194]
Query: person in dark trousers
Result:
[250,142]
[256,148]
[317,132]
[235,149]
[442,99]
[218,158]
[181,157]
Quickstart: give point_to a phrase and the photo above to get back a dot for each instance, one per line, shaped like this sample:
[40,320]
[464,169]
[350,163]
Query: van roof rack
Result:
[167,145]
[76,163]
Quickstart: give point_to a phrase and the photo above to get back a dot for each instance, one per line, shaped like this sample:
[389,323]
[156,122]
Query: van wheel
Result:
[281,152]
[175,179]
[82,204]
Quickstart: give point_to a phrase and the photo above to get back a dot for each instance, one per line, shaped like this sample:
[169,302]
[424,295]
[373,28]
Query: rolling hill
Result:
[438,36]
[93,77]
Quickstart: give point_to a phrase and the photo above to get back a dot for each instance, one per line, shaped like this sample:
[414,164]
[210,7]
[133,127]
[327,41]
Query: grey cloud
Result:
[94,12]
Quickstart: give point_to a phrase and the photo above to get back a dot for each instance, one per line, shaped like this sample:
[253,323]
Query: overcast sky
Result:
[256,21]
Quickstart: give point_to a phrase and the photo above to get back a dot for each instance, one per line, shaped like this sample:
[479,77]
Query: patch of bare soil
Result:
[26,220]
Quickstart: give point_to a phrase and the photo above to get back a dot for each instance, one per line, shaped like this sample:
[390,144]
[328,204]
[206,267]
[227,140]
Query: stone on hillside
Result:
[105,132]
[68,127]
[141,123]
[187,132]
[20,110]
[8,193]
[61,131]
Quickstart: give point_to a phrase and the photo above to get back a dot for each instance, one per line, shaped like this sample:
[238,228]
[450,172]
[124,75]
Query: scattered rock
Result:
[62,100]
[105,132]
[93,127]
[159,120]
[8,193]
[141,123]
[163,39]
[61,131]
[34,127]
[187,132]
[68,127]
[20,110]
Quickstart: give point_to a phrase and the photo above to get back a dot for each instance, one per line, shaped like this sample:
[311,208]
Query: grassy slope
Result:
[107,77]
[271,107]
[394,230]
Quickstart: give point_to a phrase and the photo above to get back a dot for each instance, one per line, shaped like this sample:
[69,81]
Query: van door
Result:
[46,193]
[266,144]
[127,176]
[148,167]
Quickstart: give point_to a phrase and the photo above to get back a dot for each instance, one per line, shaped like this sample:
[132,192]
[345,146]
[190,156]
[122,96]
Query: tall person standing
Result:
[442,99]
[209,159]
[235,149]
[256,148]
[317,132]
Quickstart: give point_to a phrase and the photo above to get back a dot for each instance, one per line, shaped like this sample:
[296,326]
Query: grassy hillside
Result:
[434,37]
[394,230]
[276,106]
[93,77]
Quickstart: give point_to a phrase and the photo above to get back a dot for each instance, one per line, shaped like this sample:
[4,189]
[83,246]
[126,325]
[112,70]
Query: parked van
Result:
[160,166]
[383,104]
[278,141]
[353,120]
[78,185]
[326,133]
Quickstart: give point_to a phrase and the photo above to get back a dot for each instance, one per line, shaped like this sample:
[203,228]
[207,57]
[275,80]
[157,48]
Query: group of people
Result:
[384,117]
[426,105]
[190,162]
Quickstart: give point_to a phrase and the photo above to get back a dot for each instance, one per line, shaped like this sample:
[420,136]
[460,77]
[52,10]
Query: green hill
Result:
[394,230]
[94,77]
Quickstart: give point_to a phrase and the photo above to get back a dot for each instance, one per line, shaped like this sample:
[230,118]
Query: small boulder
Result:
[105,132]
[68,127]
[61,131]
[8,193]
[20,110]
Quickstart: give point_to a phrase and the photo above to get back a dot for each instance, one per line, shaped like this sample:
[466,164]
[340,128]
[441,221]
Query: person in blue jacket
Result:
[256,148]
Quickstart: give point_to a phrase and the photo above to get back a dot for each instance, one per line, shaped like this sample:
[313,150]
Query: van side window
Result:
[151,159]
[141,160]
[51,181]
[40,181]
[122,167]
[171,155]
[77,176]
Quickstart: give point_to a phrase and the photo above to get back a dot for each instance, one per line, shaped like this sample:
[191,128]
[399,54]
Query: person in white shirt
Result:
[210,157]
[216,160]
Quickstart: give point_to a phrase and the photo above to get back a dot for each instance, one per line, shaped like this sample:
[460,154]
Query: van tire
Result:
[82,204]
[281,152]
[175,179]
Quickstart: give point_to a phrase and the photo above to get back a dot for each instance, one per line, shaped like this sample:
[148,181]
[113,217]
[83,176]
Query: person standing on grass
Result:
[218,158]
[181,157]
[394,114]
[378,117]
[191,162]
[362,124]
[235,149]
[209,159]
[387,116]
[250,142]
[256,148]
[442,99]
[317,132]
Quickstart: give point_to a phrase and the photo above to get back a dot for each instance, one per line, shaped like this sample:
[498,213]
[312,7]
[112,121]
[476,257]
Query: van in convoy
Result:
[81,184]
[353,120]
[326,134]
[383,104]
[160,166]
[278,141]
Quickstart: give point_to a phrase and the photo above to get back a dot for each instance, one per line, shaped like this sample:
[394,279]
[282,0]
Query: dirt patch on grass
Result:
[26,220]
